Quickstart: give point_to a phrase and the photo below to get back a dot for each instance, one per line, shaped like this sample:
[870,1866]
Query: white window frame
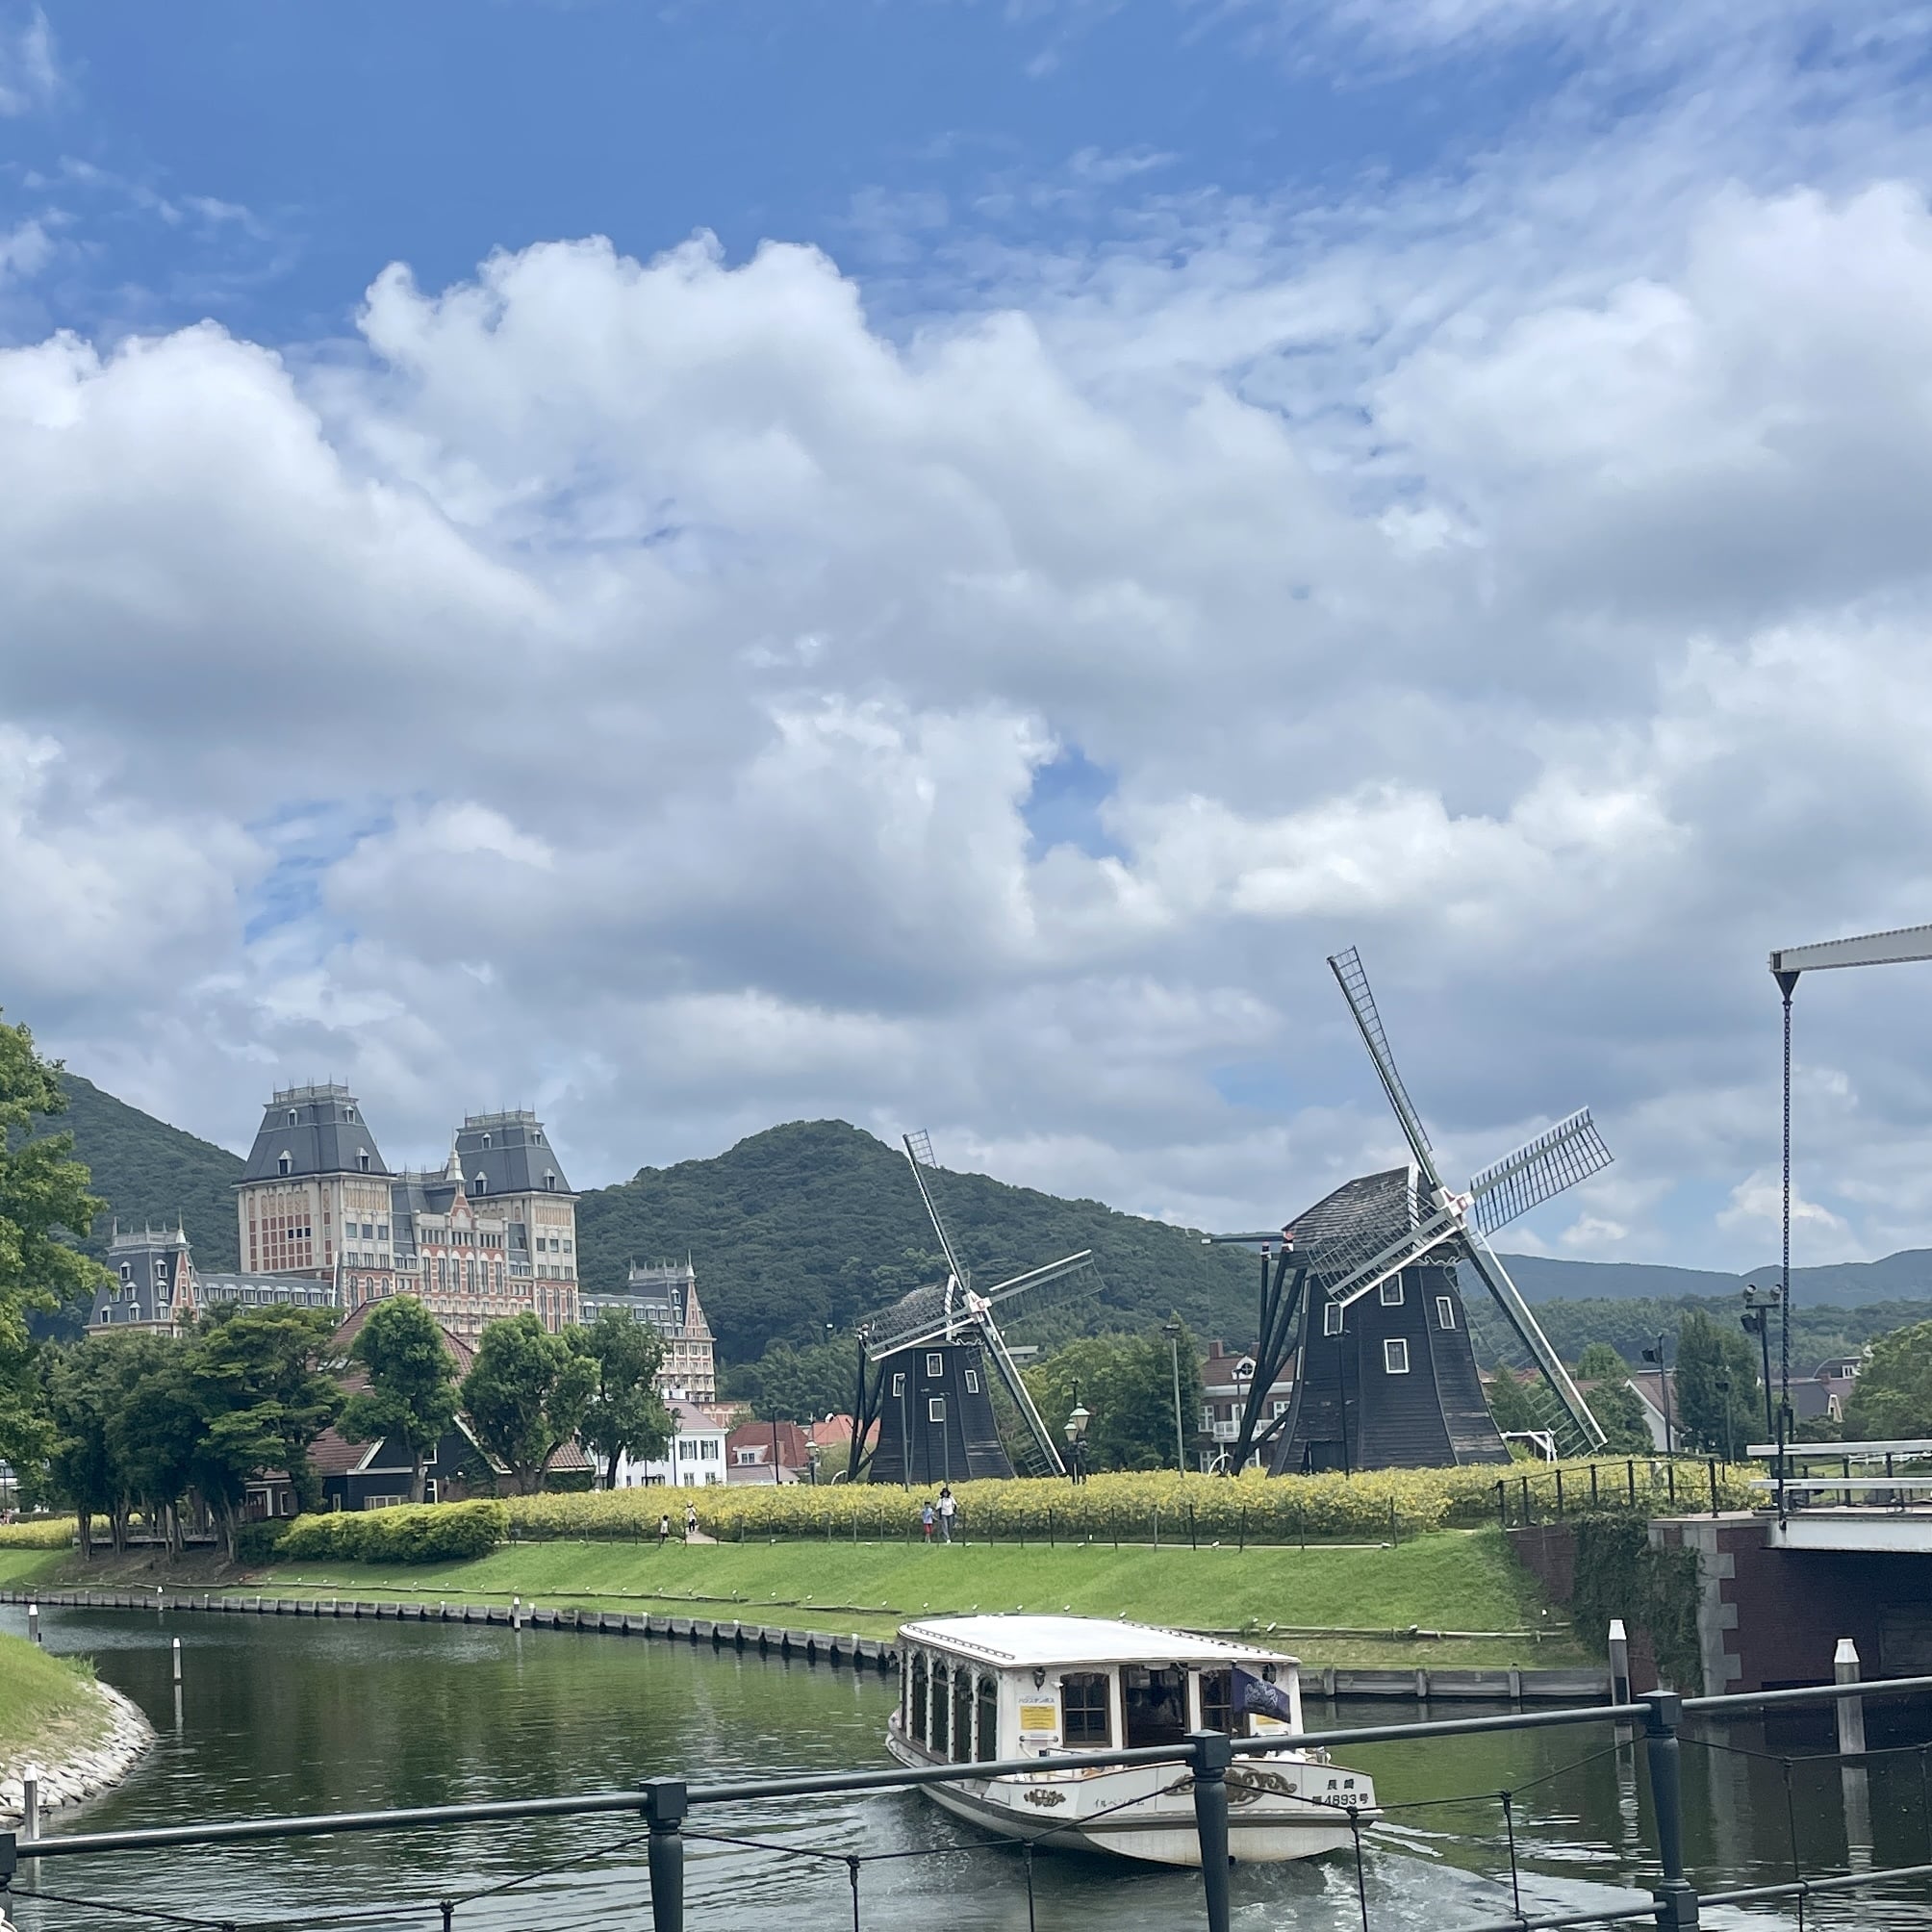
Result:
[935,1408]
[972,1381]
[1446,1311]
[1395,1356]
[935,1365]
[1392,1292]
[1332,1318]
[899,1387]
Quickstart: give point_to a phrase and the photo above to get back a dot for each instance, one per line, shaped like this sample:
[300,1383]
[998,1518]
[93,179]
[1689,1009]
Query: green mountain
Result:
[148,1171]
[817,1222]
[1844,1284]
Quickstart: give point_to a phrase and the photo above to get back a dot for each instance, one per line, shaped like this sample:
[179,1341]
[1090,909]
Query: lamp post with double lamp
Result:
[1656,1355]
[1076,1431]
[1173,1330]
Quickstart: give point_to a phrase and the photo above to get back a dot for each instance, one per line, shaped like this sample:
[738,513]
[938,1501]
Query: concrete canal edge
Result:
[66,1781]
[1577,1686]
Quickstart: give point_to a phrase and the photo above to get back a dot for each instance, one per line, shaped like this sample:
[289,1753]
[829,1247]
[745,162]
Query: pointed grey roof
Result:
[509,1154]
[320,1130]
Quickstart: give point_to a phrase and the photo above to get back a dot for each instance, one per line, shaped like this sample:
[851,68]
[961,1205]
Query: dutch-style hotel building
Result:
[492,1233]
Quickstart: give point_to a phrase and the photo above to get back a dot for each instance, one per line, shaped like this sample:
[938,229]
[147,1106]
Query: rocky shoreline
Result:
[86,1772]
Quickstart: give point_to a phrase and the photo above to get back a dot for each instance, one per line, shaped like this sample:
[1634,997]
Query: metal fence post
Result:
[1619,1662]
[1676,1902]
[665,1807]
[1213,1752]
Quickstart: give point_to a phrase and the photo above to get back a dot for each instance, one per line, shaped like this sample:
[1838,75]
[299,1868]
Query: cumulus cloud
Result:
[625,686]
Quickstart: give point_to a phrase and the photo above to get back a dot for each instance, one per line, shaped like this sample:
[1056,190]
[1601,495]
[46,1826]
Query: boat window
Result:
[988,1741]
[936,1709]
[1084,1717]
[963,1715]
[915,1724]
[1217,1703]
[1156,1702]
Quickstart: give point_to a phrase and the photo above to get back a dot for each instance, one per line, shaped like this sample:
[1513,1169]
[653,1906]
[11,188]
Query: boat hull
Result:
[1144,1813]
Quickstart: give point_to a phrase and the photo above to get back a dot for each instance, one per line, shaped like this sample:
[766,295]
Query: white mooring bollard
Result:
[177,1660]
[1619,1662]
[32,1621]
[30,1802]
[1850,1710]
[515,1613]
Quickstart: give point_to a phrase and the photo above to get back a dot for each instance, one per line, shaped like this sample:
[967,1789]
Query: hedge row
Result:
[428,1532]
[57,1532]
[1373,1506]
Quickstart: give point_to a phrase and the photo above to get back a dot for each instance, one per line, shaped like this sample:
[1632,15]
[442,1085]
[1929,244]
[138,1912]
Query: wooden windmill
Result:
[924,1364]
[1362,1289]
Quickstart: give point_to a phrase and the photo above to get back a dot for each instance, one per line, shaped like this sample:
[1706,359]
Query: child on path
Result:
[663,1531]
[926,1518]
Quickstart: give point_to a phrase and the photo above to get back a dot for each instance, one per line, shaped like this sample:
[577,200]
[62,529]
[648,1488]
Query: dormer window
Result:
[549,1179]
[362,1159]
[127,1272]
[482,1184]
[284,1165]
[292,1117]
[486,1140]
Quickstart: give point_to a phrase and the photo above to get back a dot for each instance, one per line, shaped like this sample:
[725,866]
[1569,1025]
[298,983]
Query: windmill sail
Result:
[1488,1264]
[1541,1169]
[1353,979]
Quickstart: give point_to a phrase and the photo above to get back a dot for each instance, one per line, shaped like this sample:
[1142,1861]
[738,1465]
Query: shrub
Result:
[423,1533]
[55,1534]
[1370,1506]
[255,1543]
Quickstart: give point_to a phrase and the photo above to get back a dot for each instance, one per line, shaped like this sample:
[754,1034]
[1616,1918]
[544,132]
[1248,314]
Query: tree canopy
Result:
[525,1395]
[410,1394]
[1718,1400]
[625,1414]
[1892,1399]
[1126,1384]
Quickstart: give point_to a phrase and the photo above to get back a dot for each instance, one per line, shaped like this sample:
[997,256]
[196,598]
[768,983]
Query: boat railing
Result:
[675,1811]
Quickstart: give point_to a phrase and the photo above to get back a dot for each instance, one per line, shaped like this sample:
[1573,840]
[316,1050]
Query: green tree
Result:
[797,1384]
[80,1385]
[43,1196]
[1618,1409]
[525,1395]
[410,1394]
[263,1401]
[1716,1387]
[625,1414]
[1126,1384]
[156,1433]
[1892,1398]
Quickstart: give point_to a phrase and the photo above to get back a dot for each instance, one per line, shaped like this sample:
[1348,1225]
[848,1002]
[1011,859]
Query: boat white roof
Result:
[1019,1641]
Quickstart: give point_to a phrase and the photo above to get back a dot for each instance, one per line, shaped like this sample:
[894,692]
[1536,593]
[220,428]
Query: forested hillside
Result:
[148,1171]
[811,1223]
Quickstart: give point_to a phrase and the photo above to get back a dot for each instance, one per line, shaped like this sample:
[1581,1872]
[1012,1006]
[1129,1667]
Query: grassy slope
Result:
[1456,1580]
[46,1704]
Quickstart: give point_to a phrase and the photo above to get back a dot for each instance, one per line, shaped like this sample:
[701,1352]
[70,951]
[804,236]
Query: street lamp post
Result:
[1724,1396]
[1172,1330]
[1656,1355]
[1757,1320]
[1075,1432]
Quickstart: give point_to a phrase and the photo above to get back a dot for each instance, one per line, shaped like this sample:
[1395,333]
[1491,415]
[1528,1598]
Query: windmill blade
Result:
[919,1152]
[1039,1277]
[1541,1169]
[1009,1373]
[1487,1263]
[1353,979]
[1404,1252]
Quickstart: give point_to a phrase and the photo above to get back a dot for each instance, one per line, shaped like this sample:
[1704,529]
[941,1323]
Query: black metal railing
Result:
[1680,1484]
[670,1806]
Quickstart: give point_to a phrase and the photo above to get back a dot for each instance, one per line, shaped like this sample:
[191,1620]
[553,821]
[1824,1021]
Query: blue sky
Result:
[928,560]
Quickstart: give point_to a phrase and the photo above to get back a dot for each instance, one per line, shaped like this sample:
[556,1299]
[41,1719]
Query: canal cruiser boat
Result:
[974,1689]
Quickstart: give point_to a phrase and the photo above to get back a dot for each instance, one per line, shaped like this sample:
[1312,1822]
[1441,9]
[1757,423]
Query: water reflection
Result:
[281,1717]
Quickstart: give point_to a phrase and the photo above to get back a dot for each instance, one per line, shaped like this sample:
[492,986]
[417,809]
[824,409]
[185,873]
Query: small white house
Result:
[693,1459]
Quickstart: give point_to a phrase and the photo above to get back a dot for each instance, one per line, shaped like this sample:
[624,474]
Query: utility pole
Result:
[1757,1320]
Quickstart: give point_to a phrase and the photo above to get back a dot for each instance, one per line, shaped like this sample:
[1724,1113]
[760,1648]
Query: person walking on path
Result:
[948,1508]
[690,1521]
[926,1518]
[663,1531]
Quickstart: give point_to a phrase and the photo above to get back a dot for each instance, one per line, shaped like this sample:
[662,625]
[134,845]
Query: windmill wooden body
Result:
[1362,1292]
[925,1365]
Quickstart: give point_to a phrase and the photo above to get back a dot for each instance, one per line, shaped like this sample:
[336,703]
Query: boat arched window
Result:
[986,1739]
[915,1722]
[936,1704]
[962,1714]
[1087,1714]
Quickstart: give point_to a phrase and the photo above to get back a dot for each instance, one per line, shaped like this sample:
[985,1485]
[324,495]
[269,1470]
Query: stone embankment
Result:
[81,1774]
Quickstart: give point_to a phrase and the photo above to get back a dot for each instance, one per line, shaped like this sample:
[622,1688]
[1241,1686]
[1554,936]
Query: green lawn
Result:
[47,1706]
[1455,1580]
[20,1567]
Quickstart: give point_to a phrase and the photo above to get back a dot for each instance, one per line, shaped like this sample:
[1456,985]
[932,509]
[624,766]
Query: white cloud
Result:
[28,74]
[622,685]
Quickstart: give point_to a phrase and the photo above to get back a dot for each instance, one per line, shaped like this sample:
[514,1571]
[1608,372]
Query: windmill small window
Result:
[972,1381]
[1445,1313]
[1391,1292]
[1395,1357]
[898,1387]
[935,1408]
[935,1366]
[1331,1318]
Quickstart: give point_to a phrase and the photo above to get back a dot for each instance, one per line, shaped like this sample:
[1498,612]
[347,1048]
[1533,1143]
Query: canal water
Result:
[281,1717]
